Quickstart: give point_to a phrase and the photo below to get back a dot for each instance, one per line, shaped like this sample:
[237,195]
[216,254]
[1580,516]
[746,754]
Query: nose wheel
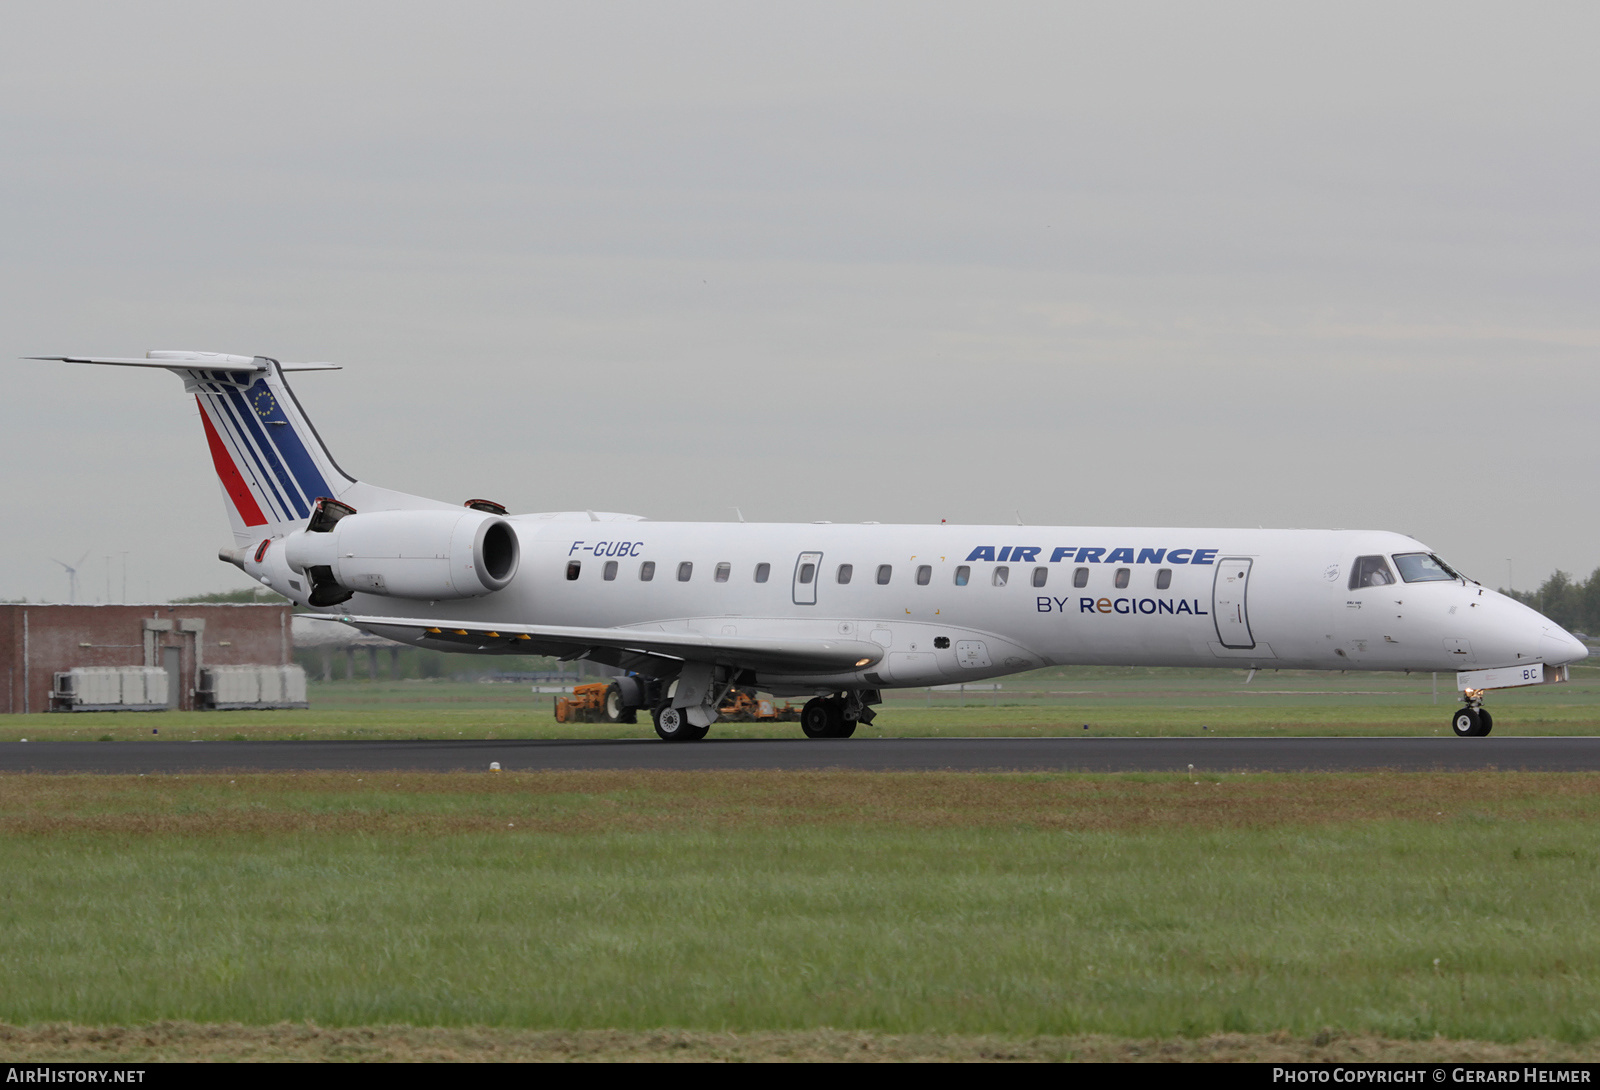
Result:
[1470,722]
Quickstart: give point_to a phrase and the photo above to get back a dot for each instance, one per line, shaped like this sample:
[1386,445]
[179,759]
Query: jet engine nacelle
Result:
[408,554]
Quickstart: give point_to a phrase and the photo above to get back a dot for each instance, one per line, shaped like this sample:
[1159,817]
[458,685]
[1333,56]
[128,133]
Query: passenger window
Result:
[1040,575]
[924,574]
[1123,574]
[1080,577]
[808,572]
[1001,575]
[845,571]
[762,571]
[884,571]
[685,570]
[647,571]
[610,574]
[1163,578]
[963,574]
[721,574]
[1370,571]
[573,568]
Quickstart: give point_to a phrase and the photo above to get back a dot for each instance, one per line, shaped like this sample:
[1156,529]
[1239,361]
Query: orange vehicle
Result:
[743,706]
[587,704]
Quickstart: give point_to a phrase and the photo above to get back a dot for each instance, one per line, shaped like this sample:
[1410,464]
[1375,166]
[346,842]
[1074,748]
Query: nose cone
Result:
[1558,647]
[1508,633]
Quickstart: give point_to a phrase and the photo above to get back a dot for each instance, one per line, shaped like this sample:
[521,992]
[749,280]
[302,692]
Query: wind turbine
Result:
[72,577]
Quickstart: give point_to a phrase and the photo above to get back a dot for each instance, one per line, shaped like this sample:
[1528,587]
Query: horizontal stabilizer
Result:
[255,364]
[793,656]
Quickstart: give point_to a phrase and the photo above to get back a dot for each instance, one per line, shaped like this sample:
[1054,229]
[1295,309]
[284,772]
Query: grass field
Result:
[820,915]
[1111,701]
[303,1041]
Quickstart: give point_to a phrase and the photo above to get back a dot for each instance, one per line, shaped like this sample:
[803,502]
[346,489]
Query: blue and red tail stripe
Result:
[265,466]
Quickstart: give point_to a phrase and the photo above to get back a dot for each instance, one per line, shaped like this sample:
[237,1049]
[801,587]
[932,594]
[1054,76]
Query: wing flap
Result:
[782,655]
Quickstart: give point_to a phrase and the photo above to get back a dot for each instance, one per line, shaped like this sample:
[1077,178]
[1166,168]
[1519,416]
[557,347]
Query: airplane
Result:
[836,613]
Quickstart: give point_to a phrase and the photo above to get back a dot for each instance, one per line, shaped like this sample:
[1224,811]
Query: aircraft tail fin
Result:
[272,464]
[270,461]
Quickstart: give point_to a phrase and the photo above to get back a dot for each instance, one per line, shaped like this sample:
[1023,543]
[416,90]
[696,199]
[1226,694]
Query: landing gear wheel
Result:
[847,727]
[1485,722]
[617,711]
[821,718]
[672,725]
[1468,723]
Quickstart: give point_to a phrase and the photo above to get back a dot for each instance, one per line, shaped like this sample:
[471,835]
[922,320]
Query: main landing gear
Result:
[1472,720]
[837,716]
[833,716]
[672,724]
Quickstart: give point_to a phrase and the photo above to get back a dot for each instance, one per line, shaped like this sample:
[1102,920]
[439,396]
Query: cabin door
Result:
[806,571]
[1230,603]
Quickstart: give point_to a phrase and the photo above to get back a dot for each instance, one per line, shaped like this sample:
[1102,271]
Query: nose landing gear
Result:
[1472,720]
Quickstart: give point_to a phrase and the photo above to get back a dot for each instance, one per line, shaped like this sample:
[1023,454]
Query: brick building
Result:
[37,641]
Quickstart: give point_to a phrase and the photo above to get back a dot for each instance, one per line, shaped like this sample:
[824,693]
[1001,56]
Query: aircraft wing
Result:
[785,655]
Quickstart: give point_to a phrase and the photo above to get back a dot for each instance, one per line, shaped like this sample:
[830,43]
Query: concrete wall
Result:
[37,641]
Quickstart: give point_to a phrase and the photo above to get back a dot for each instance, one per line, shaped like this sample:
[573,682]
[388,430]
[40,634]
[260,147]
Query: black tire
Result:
[617,710]
[847,727]
[672,724]
[1485,722]
[1467,723]
[819,718]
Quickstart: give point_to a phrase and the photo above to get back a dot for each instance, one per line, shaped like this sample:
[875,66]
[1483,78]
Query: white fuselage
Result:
[876,606]
[1233,597]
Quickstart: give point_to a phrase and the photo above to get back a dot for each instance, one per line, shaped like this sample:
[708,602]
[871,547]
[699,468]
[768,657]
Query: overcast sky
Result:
[1163,264]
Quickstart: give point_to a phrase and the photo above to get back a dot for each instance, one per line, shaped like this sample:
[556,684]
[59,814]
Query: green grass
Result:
[1148,906]
[959,931]
[1112,701]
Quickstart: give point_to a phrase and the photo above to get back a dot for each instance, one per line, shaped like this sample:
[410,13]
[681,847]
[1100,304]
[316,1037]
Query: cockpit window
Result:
[1370,571]
[1423,568]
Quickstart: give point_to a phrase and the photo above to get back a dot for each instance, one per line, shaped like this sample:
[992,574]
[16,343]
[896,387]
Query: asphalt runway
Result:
[877,755]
